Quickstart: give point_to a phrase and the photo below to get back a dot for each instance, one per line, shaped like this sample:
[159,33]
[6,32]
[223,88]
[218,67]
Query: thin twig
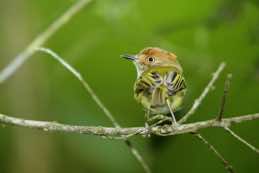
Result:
[242,140]
[82,81]
[199,100]
[224,97]
[97,101]
[227,166]
[41,39]
[123,132]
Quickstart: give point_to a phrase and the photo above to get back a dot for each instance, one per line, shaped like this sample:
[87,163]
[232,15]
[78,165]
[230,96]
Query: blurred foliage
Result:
[202,33]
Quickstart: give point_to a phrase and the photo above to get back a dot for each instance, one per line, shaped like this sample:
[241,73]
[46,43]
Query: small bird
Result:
[160,86]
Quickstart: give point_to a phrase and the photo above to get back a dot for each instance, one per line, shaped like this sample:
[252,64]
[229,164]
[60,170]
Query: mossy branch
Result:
[124,133]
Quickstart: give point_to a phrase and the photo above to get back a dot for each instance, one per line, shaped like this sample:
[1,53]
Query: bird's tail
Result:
[159,96]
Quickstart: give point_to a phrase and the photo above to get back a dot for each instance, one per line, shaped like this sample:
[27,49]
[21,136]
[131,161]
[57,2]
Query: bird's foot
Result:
[147,126]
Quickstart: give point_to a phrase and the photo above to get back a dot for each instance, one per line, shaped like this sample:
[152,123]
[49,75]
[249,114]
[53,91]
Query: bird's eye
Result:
[151,59]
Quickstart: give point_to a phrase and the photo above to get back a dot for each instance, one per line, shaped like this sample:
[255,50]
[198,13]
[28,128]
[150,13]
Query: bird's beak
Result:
[129,57]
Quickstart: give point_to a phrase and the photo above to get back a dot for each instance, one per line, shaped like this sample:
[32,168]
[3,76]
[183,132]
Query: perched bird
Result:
[160,86]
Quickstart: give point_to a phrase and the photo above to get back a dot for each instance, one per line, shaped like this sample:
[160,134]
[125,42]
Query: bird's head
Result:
[153,57]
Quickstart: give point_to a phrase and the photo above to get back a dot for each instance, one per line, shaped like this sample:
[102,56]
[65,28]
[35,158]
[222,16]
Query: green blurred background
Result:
[202,33]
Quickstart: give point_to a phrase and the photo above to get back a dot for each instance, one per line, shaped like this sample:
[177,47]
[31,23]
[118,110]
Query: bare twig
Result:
[97,101]
[199,100]
[224,97]
[41,39]
[124,132]
[82,81]
[242,140]
[227,166]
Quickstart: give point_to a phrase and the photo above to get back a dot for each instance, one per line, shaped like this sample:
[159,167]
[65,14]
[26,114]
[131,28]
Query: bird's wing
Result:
[175,83]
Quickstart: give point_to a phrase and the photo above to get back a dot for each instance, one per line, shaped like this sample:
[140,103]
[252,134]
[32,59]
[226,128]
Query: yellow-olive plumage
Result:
[160,82]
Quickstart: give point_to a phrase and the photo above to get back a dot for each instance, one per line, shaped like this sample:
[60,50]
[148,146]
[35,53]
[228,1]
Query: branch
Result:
[41,39]
[199,100]
[122,133]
